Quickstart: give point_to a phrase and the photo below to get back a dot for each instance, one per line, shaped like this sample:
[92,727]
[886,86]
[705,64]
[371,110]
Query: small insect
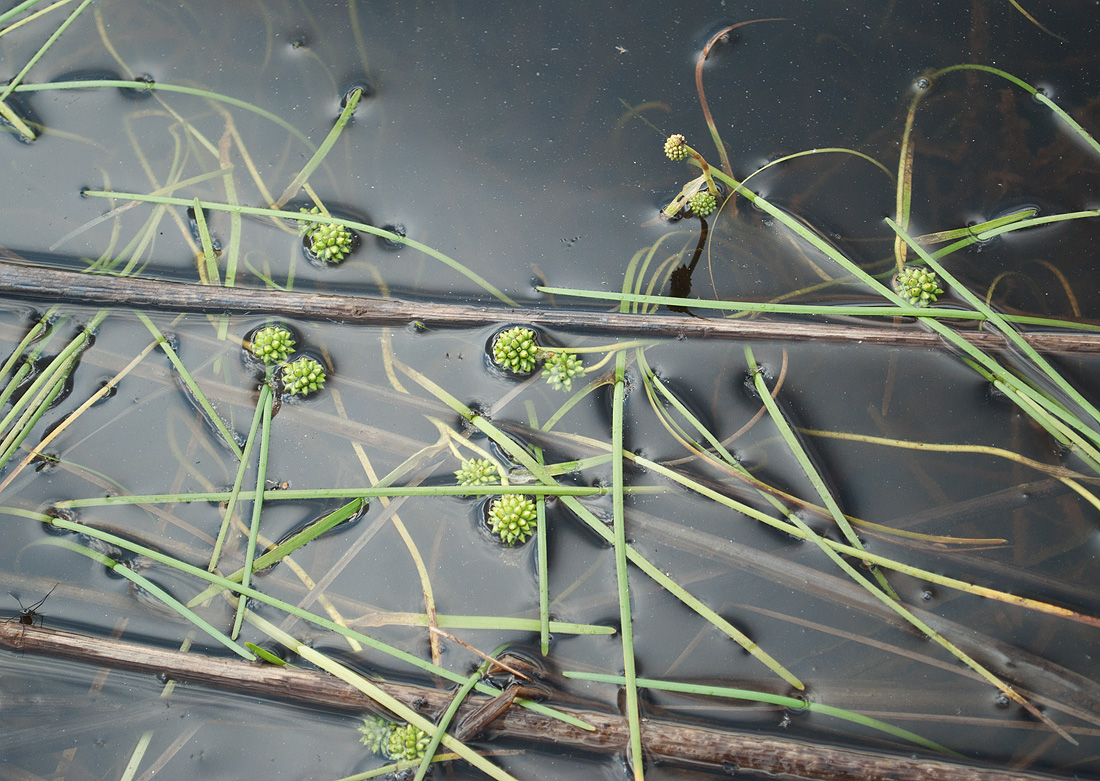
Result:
[28,615]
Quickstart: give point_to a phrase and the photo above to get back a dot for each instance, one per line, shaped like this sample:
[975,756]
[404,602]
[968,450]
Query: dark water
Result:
[497,134]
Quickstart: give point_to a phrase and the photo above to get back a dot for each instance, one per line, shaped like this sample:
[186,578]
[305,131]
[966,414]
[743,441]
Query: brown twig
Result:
[39,283]
[666,741]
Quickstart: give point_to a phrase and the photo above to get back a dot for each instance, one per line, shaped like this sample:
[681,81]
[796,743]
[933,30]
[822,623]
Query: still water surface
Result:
[502,135]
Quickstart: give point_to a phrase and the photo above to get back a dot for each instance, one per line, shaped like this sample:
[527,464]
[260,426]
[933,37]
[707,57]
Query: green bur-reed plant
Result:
[513,518]
[920,289]
[918,286]
[561,368]
[517,350]
[702,203]
[393,741]
[477,471]
[303,377]
[327,242]
[272,344]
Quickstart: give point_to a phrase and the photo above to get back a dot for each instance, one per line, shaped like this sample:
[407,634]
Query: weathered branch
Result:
[47,284]
[664,741]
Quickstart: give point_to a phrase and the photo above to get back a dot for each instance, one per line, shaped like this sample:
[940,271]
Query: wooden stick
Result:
[48,284]
[663,741]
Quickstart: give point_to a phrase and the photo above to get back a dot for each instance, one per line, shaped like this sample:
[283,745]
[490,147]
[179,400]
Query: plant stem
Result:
[265,404]
[318,156]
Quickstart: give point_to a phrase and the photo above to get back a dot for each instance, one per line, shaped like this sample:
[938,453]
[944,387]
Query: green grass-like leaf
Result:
[322,151]
[522,457]
[278,604]
[808,468]
[265,404]
[196,392]
[375,693]
[622,583]
[316,218]
[146,584]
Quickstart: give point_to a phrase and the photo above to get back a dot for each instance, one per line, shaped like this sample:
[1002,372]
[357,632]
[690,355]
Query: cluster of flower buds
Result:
[303,377]
[327,242]
[517,350]
[273,345]
[513,518]
[477,471]
[393,741]
[918,286]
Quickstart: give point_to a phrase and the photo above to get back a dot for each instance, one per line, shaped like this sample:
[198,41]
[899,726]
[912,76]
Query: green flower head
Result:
[516,350]
[327,242]
[676,147]
[702,203]
[330,243]
[272,344]
[477,471]
[561,368]
[408,742]
[918,286]
[513,518]
[303,377]
[375,734]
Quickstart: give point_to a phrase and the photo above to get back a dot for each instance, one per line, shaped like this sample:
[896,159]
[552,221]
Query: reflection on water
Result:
[525,144]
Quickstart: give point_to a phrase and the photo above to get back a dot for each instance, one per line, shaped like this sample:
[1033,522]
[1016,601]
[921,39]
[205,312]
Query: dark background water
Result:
[497,133]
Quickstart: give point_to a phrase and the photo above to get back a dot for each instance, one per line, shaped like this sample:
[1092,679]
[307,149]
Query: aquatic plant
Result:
[375,734]
[516,349]
[476,471]
[597,450]
[702,203]
[303,377]
[513,518]
[918,286]
[676,147]
[328,242]
[393,741]
[407,742]
[561,368]
[272,344]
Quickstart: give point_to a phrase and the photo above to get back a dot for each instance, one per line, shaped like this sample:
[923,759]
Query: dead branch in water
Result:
[664,741]
[47,284]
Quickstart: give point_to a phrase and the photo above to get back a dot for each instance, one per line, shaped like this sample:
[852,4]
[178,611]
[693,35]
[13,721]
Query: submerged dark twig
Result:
[39,283]
[666,741]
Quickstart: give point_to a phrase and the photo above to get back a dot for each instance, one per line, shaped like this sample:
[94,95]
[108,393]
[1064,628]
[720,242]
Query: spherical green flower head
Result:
[272,344]
[513,518]
[516,350]
[477,471]
[303,377]
[408,742]
[375,734]
[918,286]
[702,203]
[561,368]
[330,243]
[676,148]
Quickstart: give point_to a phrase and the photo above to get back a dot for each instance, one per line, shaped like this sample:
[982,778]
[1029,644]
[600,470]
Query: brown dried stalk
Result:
[663,741]
[38,283]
